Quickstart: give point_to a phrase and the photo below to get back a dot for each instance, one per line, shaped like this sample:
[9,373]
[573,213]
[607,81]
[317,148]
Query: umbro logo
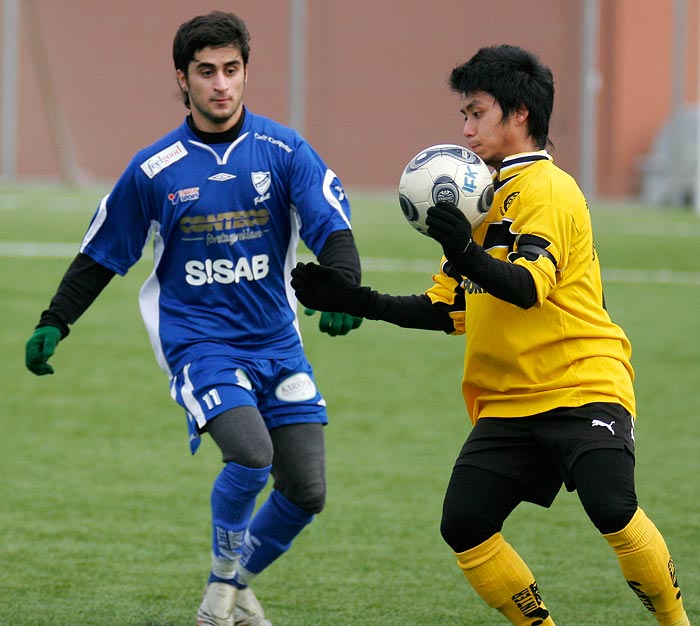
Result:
[220,177]
[604,425]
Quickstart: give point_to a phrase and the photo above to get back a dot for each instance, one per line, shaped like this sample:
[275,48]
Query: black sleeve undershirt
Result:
[415,311]
[506,281]
[340,252]
[83,281]
[502,279]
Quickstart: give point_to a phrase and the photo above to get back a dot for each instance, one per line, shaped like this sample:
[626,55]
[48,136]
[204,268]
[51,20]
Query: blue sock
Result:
[270,534]
[232,503]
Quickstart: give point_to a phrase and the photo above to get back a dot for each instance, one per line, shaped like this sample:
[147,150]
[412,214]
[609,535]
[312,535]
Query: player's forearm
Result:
[324,288]
[503,280]
[340,252]
[82,283]
[415,311]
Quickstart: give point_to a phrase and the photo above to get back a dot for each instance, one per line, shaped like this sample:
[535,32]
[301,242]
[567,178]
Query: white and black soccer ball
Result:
[445,172]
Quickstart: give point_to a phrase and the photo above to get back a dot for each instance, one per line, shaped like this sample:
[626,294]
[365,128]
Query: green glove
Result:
[335,323]
[41,345]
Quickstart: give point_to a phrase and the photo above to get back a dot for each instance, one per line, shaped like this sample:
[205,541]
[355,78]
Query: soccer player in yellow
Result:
[547,375]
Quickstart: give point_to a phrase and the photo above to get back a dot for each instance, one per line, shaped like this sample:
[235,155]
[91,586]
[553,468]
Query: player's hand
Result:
[335,323]
[452,230]
[40,347]
[321,288]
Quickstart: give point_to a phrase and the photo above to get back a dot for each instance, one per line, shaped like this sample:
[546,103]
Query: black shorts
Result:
[539,451]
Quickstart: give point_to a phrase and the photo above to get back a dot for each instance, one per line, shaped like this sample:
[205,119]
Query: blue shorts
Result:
[283,390]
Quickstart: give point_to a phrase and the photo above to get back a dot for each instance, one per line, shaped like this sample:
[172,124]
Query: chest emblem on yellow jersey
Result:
[508,201]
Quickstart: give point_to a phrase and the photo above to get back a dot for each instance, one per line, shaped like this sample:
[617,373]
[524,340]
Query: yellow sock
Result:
[504,582]
[648,568]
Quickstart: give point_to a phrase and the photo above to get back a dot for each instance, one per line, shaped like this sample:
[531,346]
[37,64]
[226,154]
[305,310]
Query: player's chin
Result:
[489,158]
[220,117]
[221,108]
[478,149]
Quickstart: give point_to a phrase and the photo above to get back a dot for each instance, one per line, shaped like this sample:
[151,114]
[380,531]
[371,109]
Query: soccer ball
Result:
[445,172]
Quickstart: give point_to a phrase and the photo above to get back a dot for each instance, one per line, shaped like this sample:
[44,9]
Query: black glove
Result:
[40,347]
[335,323]
[323,288]
[452,230]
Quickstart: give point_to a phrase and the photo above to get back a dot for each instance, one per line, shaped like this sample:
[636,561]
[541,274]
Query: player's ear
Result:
[181,80]
[521,114]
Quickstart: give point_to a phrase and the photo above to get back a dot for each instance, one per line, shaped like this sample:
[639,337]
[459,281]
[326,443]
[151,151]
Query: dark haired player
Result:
[226,197]
[547,375]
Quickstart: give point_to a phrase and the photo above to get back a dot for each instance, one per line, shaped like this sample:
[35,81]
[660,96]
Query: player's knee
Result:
[463,528]
[248,457]
[248,454]
[610,517]
[476,504]
[311,497]
[242,437]
[450,532]
[605,485]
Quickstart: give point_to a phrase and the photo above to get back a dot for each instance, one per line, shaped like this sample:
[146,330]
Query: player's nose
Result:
[468,130]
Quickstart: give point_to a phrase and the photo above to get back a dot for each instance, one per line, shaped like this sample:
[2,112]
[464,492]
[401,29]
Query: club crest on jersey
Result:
[261,182]
[508,201]
[184,195]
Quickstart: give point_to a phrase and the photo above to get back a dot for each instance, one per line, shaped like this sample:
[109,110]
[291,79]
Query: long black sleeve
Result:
[503,280]
[327,289]
[81,284]
[340,252]
[415,311]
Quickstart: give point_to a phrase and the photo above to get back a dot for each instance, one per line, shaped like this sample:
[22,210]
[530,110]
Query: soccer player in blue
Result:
[225,197]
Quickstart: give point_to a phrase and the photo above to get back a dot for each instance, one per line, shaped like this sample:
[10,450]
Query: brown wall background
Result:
[97,83]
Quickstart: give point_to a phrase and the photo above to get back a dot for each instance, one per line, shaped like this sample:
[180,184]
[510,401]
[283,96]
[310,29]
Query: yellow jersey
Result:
[565,351]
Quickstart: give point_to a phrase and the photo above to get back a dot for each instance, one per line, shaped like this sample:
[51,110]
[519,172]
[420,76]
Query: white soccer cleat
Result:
[218,605]
[248,611]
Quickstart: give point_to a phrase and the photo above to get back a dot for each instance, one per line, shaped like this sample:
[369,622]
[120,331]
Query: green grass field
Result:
[105,515]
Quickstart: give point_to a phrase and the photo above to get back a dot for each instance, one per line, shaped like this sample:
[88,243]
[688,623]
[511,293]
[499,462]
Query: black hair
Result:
[514,77]
[216,30]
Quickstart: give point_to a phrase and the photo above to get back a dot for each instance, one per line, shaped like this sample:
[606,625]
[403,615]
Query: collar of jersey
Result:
[227,136]
[516,163]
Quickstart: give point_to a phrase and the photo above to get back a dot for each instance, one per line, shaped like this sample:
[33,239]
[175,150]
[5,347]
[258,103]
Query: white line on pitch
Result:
[374,264]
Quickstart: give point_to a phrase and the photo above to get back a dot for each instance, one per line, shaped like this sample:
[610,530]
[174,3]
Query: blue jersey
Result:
[225,220]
